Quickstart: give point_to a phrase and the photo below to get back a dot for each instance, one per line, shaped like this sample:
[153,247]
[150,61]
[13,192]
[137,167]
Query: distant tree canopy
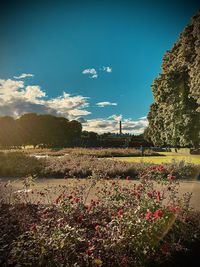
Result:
[56,132]
[92,139]
[43,130]
[174,117]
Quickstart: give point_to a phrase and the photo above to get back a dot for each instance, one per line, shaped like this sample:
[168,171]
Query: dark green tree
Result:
[174,117]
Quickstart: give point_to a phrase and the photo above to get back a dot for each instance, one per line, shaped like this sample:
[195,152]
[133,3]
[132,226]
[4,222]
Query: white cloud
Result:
[111,124]
[23,75]
[116,117]
[17,99]
[106,103]
[107,69]
[95,76]
[32,93]
[92,73]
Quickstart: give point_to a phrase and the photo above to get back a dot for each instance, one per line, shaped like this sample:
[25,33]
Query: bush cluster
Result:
[78,165]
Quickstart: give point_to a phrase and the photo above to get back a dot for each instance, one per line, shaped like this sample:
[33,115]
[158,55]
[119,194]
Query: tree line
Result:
[47,131]
[39,130]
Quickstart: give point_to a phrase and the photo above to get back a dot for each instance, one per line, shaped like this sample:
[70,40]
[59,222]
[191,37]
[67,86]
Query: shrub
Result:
[18,164]
[86,166]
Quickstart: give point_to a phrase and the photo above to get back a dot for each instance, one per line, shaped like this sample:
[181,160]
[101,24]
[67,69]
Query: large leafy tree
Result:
[174,117]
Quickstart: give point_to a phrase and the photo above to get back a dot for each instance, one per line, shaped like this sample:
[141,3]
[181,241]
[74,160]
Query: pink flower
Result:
[174,209]
[97,227]
[158,214]
[120,212]
[158,196]
[148,216]
[161,168]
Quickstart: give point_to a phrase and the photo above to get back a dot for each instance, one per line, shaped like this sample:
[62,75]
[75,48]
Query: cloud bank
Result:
[111,124]
[16,99]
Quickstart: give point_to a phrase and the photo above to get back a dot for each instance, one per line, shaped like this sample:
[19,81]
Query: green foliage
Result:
[43,130]
[174,117]
[19,164]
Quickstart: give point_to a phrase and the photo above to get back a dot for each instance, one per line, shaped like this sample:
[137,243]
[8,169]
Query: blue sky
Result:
[106,52]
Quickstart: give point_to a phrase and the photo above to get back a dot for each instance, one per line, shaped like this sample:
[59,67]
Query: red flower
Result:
[148,216]
[88,252]
[150,194]
[158,196]
[138,195]
[97,227]
[76,199]
[128,178]
[124,260]
[120,212]
[174,209]
[171,177]
[158,214]
[161,168]
[57,200]
[165,248]
[80,218]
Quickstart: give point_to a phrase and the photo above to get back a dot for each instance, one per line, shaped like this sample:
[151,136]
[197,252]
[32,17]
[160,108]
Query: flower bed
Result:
[124,225]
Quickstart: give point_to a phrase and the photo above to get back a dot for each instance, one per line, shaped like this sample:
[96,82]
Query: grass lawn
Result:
[168,157]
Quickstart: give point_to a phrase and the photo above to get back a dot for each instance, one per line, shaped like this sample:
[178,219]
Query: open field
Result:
[168,157]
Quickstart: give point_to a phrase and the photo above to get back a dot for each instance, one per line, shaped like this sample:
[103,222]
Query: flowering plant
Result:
[126,223]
